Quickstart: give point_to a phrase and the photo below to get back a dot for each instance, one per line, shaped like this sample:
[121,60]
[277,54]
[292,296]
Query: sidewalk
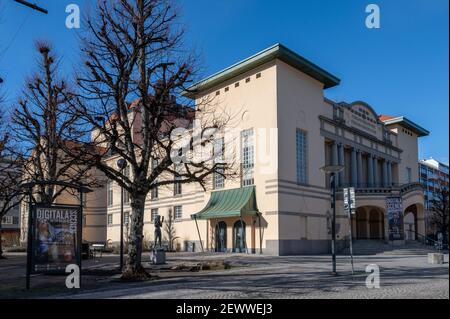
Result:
[251,276]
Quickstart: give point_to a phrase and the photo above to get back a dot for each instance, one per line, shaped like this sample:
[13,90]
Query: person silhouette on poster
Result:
[45,241]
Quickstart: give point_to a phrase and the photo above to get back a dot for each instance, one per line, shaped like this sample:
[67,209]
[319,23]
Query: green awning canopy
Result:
[229,203]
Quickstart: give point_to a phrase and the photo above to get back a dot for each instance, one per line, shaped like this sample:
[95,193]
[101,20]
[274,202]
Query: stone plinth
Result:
[158,256]
[435,258]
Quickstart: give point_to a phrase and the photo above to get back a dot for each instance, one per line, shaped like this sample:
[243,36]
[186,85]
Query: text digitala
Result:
[58,215]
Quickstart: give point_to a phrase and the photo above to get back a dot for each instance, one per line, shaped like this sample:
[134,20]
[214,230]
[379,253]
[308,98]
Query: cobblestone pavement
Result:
[253,276]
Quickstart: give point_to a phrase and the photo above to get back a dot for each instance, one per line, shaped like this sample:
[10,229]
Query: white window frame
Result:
[178,212]
[7,220]
[177,186]
[247,157]
[153,213]
[126,218]
[110,219]
[218,179]
[110,193]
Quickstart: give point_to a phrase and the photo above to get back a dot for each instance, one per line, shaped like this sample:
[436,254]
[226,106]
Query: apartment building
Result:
[433,175]
[287,130]
[10,223]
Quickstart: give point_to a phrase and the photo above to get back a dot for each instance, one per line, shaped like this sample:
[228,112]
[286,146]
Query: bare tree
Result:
[131,97]
[169,229]
[41,127]
[10,175]
[440,212]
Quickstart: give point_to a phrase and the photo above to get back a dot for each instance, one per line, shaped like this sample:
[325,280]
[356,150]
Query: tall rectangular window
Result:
[178,212]
[126,218]
[154,192]
[218,178]
[247,157]
[110,219]
[126,195]
[154,188]
[7,220]
[302,156]
[153,214]
[109,193]
[177,185]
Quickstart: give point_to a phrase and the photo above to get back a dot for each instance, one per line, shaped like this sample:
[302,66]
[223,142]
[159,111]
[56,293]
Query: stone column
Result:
[390,173]
[334,154]
[354,168]
[341,154]
[385,173]
[370,176]
[388,177]
[359,168]
[376,182]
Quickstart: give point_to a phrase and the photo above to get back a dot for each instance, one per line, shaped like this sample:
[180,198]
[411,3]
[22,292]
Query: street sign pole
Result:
[350,207]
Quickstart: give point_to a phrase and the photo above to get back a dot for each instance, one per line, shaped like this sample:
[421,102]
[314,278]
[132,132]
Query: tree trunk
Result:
[1,246]
[133,269]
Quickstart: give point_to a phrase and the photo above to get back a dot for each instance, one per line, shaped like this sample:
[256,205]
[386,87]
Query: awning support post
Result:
[243,235]
[198,230]
[260,234]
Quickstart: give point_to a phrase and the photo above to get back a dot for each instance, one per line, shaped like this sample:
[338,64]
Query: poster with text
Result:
[395,217]
[55,238]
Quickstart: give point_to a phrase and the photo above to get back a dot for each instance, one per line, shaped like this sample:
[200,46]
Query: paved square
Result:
[251,276]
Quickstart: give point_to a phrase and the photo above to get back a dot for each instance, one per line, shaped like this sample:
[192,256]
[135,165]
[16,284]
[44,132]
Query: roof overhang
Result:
[235,202]
[277,51]
[401,120]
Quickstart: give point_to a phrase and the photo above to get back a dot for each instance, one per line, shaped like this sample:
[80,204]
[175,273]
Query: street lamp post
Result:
[121,163]
[332,170]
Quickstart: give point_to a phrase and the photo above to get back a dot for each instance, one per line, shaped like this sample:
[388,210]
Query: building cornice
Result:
[277,51]
[359,132]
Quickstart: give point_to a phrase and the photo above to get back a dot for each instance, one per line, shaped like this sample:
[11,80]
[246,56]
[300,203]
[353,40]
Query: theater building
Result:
[288,130]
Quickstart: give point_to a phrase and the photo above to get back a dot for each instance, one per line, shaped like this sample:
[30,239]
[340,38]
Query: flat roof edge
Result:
[277,51]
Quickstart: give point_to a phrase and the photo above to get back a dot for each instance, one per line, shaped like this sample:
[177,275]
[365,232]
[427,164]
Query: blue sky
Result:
[399,69]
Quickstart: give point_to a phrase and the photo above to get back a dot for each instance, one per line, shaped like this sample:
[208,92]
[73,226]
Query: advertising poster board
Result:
[55,238]
[395,217]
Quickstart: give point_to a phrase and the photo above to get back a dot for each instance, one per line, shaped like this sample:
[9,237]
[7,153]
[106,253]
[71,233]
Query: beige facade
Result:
[279,97]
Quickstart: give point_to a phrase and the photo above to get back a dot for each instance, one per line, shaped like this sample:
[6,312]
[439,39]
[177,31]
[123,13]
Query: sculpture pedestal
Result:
[158,256]
[436,258]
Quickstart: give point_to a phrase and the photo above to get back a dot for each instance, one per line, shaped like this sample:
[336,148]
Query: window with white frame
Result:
[7,220]
[110,219]
[178,212]
[153,214]
[126,197]
[126,218]
[126,194]
[177,185]
[302,156]
[154,192]
[218,178]
[109,194]
[154,188]
[247,157]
